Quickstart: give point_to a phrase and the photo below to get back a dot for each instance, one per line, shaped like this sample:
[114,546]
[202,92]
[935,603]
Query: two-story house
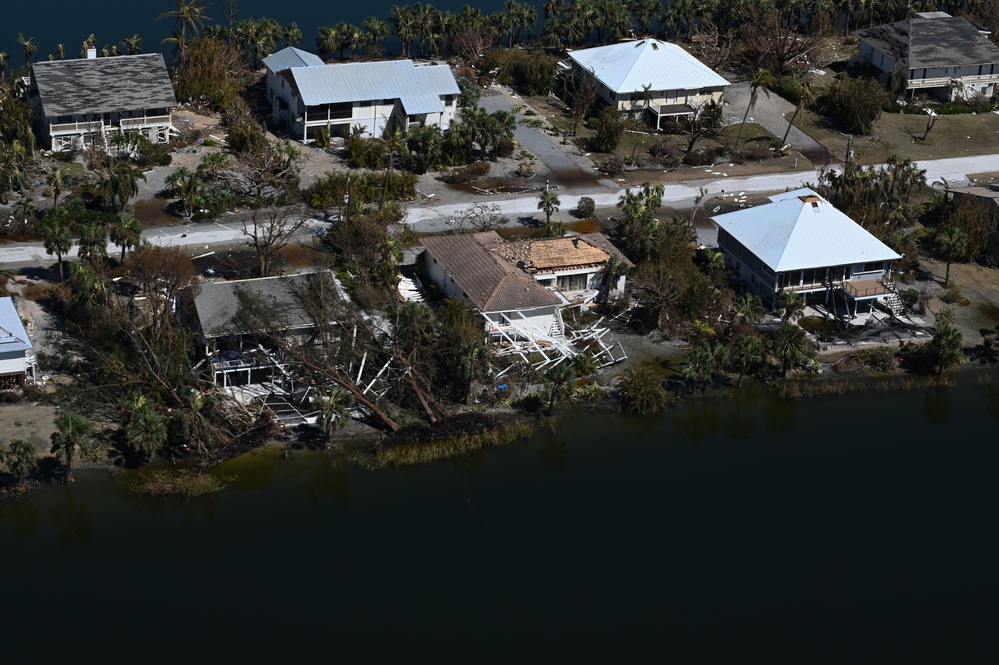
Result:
[650,77]
[82,101]
[16,355]
[800,242]
[947,55]
[307,95]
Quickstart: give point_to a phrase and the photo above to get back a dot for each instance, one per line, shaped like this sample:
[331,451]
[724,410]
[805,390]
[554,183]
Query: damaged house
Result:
[521,288]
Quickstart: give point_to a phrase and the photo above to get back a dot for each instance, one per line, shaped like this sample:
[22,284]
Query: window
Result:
[873,266]
[571,282]
[364,104]
[613,96]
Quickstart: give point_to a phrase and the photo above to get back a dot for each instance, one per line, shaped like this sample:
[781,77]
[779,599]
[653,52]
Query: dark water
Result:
[860,527]
[70,23]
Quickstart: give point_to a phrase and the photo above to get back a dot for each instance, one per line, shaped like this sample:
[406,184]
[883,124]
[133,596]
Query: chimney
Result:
[91,54]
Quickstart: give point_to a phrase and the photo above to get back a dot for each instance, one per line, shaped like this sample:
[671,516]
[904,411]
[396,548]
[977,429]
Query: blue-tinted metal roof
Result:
[800,230]
[13,336]
[418,87]
[630,66]
[290,57]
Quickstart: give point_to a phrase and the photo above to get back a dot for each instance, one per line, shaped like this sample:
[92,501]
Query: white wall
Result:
[12,362]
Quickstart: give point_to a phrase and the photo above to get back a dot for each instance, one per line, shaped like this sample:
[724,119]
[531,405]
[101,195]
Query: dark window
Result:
[873,266]
[364,104]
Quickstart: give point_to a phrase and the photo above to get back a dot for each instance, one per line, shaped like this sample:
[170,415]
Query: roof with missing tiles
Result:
[103,85]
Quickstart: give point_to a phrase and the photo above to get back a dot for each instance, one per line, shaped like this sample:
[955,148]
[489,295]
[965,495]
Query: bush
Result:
[854,103]
[322,138]
[701,157]
[788,87]
[527,72]
[881,359]
[666,155]
[951,295]
[643,393]
[465,174]
[586,207]
[612,165]
[504,147]
[609,129]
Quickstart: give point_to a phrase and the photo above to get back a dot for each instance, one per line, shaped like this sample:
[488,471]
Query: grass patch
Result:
[951,136]
[178,482]
[410,454]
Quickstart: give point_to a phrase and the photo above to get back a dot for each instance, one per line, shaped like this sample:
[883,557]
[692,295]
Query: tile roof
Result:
[629,66]
[600,241]
[290,57]
[13,337]
[799,230]
[418,87]
[546,254]
[487,281]
[217,304]
[103,85]
[919,43]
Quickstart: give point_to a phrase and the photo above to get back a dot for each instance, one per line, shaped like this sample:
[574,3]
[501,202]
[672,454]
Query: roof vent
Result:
[91,54]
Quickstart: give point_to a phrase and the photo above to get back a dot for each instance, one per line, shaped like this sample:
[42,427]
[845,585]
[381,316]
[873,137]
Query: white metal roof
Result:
[629,66]
[418,87]
[290,57]
[13,337]
[791,233]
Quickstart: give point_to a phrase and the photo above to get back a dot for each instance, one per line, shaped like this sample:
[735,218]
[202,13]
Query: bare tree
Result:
[581,93]
[713,47]
[270,230]
[773,41]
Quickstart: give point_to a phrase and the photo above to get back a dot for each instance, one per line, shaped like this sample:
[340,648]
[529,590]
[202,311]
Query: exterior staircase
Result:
[558,326]
[892,301]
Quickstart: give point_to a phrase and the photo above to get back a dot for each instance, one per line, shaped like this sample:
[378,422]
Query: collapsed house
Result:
[522,288]
[239,364]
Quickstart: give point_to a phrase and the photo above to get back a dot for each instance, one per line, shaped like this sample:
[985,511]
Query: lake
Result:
[70,23]
[813,530]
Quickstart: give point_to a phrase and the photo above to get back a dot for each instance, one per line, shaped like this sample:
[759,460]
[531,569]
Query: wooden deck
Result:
[866,288]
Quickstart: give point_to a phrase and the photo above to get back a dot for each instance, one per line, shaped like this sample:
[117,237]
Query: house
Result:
[16,354]
[799,242]
[654,77]
[82,101]
[987,198]
[947,55]
[307,94]
[520,288]
[229,342]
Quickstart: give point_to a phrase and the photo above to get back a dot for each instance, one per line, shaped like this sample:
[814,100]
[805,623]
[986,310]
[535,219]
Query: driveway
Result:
[770,113]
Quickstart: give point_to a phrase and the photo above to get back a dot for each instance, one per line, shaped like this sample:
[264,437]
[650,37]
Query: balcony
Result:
[75,127]
[865,288]
[145,121]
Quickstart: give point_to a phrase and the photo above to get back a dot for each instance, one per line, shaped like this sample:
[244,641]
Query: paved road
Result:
[434,218]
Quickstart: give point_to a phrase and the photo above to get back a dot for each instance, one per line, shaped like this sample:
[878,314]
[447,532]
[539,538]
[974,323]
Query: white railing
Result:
[75,127]
[145,121]
[945,81]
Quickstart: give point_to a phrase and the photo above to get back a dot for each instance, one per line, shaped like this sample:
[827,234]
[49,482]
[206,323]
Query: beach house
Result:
[16,351]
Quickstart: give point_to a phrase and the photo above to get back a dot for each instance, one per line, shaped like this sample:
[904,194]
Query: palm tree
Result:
[29,46]
[4,60]
[189,14]
[124,182]
[761,79]
[791,304]
[93,242]
[292,34]
[473,365]
[748,308]
[57,179]
[60,51]
[747,353]
[804,101]
[561,383]
[72,436]
[549,202]
[790,345]
[133,44]
[126,232]
[952,243]
[375,29]
[333,411]
[395,143]
[145,431]
[945,347]
[56,238]
[20,458]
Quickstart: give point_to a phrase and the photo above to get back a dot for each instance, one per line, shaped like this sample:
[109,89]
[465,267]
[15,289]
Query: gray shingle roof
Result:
[792,233]
[103,85]
[488,282]
[418,87]
[629,66]
[13,337]
[919,43]
[218,303]
[290,57]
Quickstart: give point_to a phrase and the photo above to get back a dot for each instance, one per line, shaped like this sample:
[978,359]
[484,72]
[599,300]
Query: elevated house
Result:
[521,288]
[82,101]
[307,94]
[800,242]
[947,55]
[650,77]
[16,351]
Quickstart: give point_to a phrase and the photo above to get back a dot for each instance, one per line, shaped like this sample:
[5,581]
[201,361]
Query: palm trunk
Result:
[69,463]
[790,123]
[947,275]
[744,117]
[59,258]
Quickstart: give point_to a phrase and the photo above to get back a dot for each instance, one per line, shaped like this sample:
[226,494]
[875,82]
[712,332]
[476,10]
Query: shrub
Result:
[788,87]
[701,157]
[643,393]
[665,154]
[585,207]
[612,165]
[951,295]
[465,174]
[854,103]
[322,138]
[881,359]
[504,147]
[609,129]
